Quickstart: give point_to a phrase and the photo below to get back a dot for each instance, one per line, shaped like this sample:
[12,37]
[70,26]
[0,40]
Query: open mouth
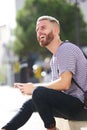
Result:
[42,37]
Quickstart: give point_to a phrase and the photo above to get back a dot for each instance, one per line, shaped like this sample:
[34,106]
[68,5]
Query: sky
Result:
[7,12]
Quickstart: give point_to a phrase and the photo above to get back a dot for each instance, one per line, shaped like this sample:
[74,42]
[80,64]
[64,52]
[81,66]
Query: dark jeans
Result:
[48,103]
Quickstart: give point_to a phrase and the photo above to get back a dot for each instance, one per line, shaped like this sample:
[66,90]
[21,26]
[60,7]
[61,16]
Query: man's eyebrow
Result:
[42,26]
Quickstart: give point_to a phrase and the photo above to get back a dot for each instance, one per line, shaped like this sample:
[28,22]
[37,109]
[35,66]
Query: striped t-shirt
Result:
[69,57]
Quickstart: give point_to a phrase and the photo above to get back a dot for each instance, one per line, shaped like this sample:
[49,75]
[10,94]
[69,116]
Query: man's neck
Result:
[53,47]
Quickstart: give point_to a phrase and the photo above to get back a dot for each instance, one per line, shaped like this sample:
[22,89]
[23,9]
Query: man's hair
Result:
[50,18]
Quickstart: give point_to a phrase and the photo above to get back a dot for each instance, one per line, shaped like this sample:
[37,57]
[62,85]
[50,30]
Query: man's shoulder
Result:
[69,46]
[67,43]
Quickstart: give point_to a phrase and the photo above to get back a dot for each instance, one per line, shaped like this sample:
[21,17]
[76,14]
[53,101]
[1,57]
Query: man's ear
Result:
[56,30]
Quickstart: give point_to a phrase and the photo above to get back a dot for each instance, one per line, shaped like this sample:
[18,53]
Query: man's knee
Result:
[38,93]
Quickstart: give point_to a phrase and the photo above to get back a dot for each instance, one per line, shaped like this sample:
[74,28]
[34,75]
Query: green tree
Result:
[26,42]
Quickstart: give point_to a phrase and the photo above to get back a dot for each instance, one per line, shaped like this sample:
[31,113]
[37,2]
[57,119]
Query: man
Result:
[61,95]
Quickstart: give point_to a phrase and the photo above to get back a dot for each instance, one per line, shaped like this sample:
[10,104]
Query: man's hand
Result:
[25,88]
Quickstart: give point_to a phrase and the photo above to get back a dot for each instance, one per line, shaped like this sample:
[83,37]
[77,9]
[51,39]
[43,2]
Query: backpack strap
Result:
[78,85]
[74,79]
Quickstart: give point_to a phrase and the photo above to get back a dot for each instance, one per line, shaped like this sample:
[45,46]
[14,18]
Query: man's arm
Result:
[63,83]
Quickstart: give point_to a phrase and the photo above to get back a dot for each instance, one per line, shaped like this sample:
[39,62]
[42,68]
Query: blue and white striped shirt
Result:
[69,57]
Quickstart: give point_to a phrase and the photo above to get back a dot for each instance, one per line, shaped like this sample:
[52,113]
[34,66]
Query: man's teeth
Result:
[42,37]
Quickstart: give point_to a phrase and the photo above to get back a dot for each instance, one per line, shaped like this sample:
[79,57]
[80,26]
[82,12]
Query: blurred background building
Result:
[8,10]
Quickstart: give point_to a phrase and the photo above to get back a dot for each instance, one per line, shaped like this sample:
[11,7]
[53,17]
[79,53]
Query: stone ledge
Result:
[63,124]
[78,125]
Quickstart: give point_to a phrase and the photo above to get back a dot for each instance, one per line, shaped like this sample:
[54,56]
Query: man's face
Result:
[44,30]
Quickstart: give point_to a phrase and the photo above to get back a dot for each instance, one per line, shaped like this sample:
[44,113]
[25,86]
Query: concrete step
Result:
[63,124]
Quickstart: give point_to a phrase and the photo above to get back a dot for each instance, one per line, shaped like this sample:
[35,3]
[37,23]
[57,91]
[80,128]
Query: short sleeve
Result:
[66,60]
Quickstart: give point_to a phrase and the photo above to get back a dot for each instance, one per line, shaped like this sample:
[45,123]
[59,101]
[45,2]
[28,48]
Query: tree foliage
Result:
[26,42]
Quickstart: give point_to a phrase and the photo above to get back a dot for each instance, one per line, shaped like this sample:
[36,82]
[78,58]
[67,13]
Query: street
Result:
[11,100]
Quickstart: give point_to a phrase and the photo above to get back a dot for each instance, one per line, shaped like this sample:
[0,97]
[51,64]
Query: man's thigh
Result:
[62,104]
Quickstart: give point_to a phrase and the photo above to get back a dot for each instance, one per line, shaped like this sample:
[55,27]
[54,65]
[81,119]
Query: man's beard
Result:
[46,41]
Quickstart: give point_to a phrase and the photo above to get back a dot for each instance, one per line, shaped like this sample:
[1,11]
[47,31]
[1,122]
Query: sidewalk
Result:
[10,101]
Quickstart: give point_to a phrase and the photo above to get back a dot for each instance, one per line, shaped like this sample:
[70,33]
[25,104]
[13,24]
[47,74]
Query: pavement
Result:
[11,100]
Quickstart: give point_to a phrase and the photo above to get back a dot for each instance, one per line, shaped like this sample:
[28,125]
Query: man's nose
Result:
[39,32]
